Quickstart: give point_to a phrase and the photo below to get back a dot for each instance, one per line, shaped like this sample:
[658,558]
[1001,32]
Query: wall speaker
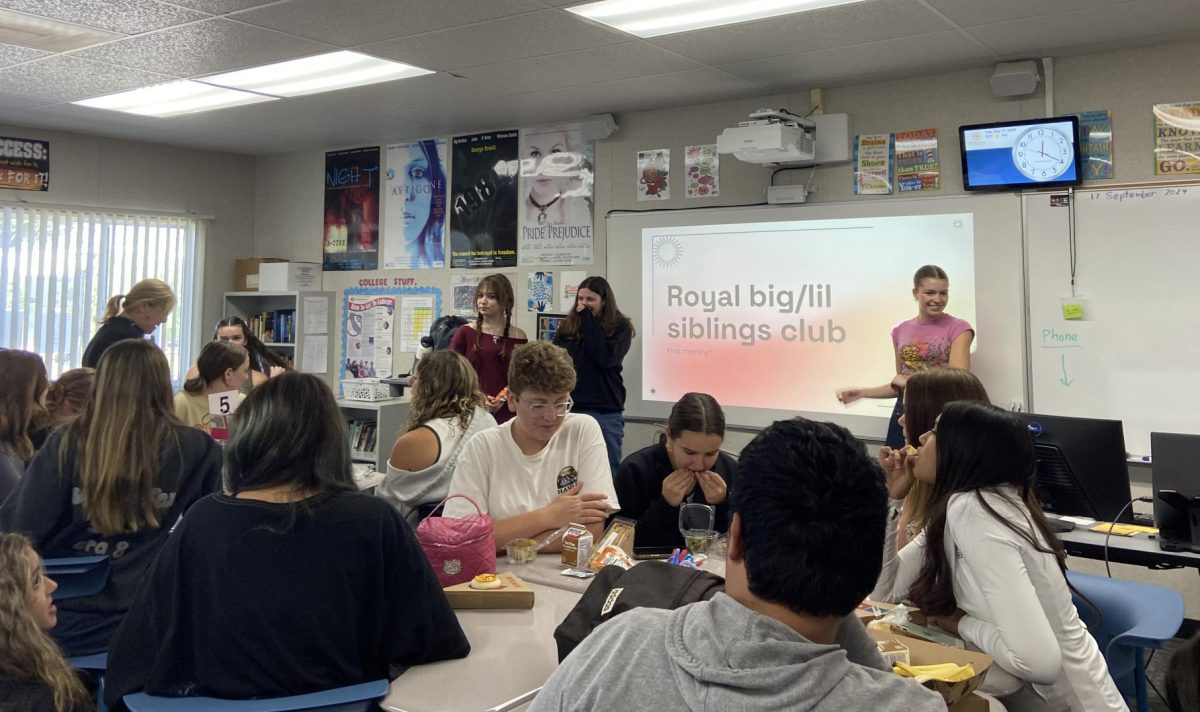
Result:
[597,126]
[1015,78]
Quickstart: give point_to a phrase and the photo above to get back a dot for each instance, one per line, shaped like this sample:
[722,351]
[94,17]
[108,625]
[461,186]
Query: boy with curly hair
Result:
[545,468]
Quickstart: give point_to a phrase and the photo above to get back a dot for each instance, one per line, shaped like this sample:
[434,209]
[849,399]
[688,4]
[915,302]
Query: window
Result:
[59,266]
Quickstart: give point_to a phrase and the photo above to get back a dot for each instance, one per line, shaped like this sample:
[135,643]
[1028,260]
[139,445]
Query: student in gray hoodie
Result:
[805,548]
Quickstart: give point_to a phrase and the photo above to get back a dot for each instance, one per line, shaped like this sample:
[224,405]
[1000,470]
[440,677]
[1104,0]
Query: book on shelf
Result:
[278,326]
[363,435]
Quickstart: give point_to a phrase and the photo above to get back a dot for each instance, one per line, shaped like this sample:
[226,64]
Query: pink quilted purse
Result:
[458,549]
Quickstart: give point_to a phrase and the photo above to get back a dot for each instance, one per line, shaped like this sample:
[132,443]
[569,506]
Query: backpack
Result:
[441,331]
[650,584]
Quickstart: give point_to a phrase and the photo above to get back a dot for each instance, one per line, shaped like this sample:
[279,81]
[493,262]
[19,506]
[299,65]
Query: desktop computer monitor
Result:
[1081,466]
[1175,466]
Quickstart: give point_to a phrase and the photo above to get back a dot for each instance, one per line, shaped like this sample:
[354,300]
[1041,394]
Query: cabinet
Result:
[383,418]
[297,329]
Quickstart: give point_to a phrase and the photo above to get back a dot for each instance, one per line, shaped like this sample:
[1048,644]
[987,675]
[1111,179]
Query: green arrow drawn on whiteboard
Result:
[1064,380]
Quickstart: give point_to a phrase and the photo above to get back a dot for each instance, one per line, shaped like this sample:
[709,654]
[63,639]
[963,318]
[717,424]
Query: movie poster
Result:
[414,205]
[351,237]
[483,200]
[556,197]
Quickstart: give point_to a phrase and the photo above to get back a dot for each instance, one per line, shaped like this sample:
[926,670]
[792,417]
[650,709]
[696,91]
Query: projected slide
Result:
[779,315]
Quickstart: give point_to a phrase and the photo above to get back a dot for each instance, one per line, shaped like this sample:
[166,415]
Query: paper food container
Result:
[512,593]
[921,652]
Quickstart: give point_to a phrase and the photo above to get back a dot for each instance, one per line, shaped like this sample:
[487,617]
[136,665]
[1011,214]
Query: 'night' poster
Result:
[351,237]
[483,200]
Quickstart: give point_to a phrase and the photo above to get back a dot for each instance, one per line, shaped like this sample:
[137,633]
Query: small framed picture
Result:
[547,325]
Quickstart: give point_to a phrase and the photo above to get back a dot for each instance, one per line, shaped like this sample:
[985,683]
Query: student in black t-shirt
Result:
[687,466]
[112,483]
[130,316]
[292,583]
[34,677]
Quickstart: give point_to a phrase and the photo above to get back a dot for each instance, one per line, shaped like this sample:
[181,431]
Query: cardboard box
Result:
[893,651]
[289,276]
[245,272]
[921,652]
[513,593]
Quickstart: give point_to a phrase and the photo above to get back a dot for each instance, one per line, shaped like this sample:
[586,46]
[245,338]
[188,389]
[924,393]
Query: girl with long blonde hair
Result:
[447,409]
[33,673]
[113,482]
[130,316]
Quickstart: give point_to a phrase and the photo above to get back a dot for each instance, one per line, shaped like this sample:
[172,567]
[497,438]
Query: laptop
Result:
[1175,466]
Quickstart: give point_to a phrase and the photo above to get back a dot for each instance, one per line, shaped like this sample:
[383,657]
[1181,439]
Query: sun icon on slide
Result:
[667,252]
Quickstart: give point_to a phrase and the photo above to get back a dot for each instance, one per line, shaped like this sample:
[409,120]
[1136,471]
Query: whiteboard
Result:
[1135,356]
[999,359]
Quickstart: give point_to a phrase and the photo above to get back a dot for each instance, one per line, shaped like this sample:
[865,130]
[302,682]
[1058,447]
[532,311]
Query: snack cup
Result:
[521,551]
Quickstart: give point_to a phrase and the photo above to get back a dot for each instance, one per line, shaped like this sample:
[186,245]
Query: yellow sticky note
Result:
[1072,311]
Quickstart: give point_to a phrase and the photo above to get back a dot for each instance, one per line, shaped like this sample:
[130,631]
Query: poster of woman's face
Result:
[415,207]
[556,197]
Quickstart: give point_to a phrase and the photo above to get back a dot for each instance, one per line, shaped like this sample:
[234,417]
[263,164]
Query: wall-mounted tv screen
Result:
[1012,155]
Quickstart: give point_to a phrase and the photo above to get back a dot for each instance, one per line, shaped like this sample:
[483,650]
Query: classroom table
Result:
[1138,549]
[546,570]
[512,655]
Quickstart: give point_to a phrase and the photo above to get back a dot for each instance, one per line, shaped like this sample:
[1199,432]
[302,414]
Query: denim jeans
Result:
[612,425]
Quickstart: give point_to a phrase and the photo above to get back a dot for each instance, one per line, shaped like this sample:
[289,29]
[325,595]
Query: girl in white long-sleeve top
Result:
[987,566]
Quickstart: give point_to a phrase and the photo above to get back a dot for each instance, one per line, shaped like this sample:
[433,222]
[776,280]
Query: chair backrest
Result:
[354,698]
[1131,614]
[77,576]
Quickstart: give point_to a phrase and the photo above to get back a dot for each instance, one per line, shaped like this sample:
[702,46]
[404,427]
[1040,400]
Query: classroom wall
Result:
[89,171]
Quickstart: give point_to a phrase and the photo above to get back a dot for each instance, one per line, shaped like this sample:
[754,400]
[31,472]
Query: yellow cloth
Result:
[946,672]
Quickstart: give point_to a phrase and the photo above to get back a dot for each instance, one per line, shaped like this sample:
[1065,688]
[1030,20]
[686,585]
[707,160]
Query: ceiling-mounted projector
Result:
[770,137]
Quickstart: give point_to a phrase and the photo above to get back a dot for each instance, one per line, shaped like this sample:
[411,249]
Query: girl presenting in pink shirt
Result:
[932,339]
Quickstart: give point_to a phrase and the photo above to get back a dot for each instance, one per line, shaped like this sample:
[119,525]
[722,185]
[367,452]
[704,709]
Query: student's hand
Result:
[678,485]
[949,623]
[493,404]
[579,306]
[897,471]
[276,371]
[712,486]
[846,396]
[899,382]
[585,508]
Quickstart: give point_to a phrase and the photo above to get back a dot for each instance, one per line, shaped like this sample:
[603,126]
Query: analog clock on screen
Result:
[1042,153]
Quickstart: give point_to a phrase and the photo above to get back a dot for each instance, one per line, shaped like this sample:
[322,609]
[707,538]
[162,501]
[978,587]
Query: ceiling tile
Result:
[806,31]
[428,90]
[218,7]
[215,45]
[674,89]
[979,12]
[1088,28]
[588,66]
[530,35]
[12,54]
[895,58]
[128,17]
[11,103]
[69,117]
[66,78]
[375,20]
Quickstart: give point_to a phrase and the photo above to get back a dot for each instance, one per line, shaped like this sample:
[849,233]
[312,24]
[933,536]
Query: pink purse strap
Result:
[478,511]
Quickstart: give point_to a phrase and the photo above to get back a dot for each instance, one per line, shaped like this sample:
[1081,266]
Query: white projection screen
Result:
[771,309]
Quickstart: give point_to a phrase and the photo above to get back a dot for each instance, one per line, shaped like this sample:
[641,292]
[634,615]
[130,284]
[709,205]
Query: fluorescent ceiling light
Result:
[18,28]
[645,18]
[311,75]
[173,99]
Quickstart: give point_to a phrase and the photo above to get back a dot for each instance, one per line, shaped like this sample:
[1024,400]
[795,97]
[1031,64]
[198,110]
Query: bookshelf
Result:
[284,322]
[374,424]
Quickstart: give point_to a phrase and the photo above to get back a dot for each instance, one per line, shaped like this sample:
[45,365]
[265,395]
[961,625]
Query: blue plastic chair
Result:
[77,576]
[355,698]
[98,663]
[1132,617]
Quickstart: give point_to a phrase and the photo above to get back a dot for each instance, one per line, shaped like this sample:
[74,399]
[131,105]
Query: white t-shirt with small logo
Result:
[506,482]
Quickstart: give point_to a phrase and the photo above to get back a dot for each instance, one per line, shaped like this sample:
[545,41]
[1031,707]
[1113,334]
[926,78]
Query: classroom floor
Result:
[1157,670]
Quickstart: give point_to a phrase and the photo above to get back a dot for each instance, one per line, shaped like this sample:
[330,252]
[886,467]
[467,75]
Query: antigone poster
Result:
[414,205]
